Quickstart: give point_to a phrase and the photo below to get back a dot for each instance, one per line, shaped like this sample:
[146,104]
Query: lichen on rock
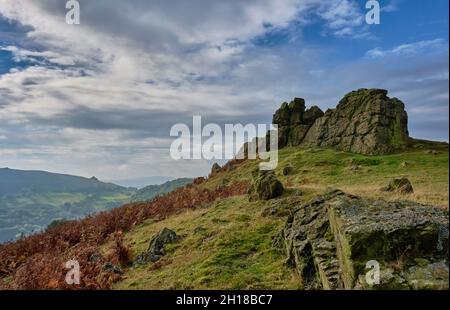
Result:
[400,185]
[366,121]
[265,185]
[330,240]
[156,247]
[294,122]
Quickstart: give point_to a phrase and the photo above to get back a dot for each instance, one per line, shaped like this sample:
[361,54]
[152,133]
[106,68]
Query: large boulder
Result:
[366,121]
[331,240]
[156,247]
[265,186]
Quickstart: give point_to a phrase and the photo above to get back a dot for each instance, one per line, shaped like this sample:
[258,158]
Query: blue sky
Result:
[99,98]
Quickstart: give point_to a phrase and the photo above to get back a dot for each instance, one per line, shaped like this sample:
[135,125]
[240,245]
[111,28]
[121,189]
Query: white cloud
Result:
[436,45]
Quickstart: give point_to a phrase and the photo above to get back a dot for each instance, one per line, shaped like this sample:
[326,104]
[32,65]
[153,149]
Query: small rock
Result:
[95,257]
[432,152]
[199,230]
[110,267]
[401,185]
[156,248]
[404,164]
[354,168]
[288,170]
[215,169]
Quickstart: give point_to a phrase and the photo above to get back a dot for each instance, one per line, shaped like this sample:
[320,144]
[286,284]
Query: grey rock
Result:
[401,186]
[110,267]
[294,122]
[366,121]
[156,247]
[330,239]
[265,186]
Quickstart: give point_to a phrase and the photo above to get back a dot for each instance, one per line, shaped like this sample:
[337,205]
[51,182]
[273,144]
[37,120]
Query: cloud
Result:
[420,47]
[344,18]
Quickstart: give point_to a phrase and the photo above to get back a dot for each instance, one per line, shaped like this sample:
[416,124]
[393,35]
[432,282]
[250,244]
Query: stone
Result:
[156,247]
[199,230]
[330,240]
[366,121]
[110,267]
[265,185]
[94,257]
[404,164]
[432,152]
[215,169]
[401,186]
[294,122]
[288,170]
[429,277]
[312,114]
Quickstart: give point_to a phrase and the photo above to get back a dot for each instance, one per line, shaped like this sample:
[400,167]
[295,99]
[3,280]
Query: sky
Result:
[100,98]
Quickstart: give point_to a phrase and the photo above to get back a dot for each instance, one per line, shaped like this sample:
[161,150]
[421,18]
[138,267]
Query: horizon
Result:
[99,98]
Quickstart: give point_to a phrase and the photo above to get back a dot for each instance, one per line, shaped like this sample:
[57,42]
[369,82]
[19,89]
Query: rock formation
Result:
[294,122]
[265,185]
[331,240]
[366,121]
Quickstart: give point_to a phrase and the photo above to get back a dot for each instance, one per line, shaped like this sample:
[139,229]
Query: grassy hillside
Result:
[228,244]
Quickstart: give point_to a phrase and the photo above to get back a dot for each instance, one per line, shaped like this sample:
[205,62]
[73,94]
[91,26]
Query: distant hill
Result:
[18,181]
[142,182]
[151,191]
[30,200]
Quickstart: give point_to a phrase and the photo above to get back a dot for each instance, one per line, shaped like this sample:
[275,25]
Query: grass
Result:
[233,249]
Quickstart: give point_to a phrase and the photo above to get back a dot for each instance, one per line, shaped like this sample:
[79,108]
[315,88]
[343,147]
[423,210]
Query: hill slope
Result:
[151,191]
[228,244]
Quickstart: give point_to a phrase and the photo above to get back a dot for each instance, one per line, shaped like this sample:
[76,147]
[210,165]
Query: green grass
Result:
[234,251]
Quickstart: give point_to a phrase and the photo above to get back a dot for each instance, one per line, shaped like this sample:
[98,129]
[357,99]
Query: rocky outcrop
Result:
[156,248]
[366,121]
[294,122]
[265,185]
[331,240]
